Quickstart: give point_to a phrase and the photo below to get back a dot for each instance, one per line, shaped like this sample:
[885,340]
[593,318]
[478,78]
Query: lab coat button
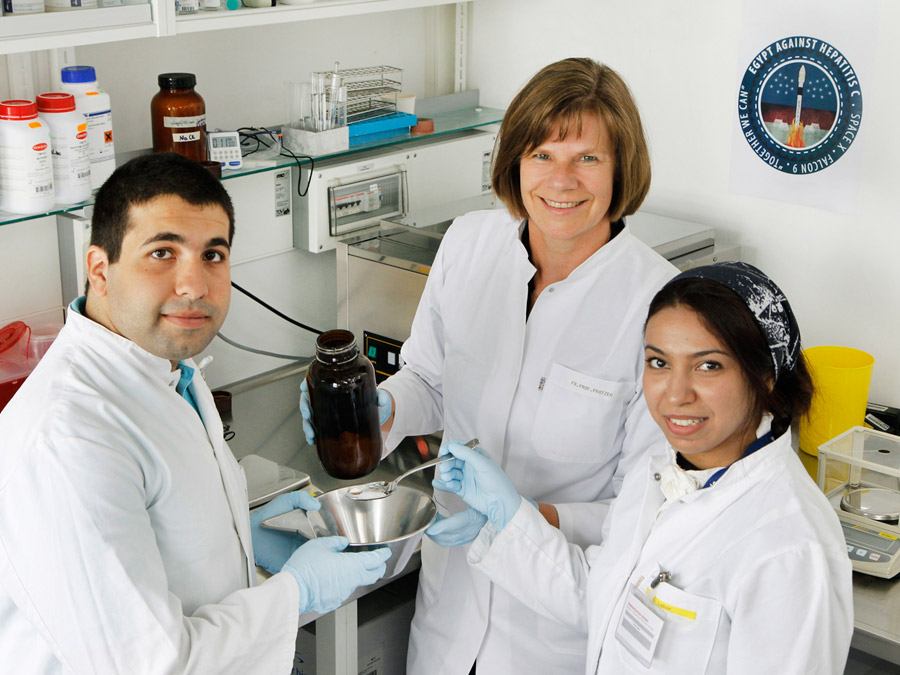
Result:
[657,477]
[551,289]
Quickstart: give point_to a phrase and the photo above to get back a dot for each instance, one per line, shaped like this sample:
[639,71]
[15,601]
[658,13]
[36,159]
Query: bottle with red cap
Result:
[71,150]
[26,169]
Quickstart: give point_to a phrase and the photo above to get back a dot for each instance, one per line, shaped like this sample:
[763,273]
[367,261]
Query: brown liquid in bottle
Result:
[178,117]
[344,401]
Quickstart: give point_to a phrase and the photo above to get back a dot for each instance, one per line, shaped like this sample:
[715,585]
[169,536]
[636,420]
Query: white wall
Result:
[681,59]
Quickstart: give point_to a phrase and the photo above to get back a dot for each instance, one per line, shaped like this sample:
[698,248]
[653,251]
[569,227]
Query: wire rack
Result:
[371,92]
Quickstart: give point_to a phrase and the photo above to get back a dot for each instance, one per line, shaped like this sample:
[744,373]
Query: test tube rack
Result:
[371,91]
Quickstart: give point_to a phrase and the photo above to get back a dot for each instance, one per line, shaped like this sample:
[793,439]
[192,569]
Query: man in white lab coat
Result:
[125,540]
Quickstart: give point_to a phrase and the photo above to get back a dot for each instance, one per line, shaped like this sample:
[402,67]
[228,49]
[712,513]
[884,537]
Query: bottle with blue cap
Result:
[94,104]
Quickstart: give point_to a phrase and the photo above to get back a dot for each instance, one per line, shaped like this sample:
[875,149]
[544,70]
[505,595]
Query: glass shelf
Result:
[444,123]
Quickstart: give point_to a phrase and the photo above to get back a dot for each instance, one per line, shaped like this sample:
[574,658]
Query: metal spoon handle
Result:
[420,467]
[431,462]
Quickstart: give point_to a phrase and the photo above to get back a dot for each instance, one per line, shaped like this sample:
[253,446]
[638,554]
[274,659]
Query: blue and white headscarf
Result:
[765,301]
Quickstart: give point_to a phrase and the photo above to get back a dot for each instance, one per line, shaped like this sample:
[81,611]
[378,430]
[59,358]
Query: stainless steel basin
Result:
[397,521]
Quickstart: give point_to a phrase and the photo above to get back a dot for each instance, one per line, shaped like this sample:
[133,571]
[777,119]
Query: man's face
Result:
[170,289]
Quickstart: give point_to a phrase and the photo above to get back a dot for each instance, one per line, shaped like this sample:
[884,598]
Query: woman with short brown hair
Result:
[528,338]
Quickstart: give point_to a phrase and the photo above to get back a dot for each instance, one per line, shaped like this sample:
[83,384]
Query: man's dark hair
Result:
[143,179]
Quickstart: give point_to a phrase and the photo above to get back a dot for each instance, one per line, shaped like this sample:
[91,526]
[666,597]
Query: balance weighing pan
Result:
[878,504]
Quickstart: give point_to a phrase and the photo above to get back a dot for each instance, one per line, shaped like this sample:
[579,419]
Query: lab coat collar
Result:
[599,257]
[602,255]
[738,473]
[103,340]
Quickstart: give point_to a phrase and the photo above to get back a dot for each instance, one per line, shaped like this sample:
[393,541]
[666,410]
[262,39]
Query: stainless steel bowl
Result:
[397,521]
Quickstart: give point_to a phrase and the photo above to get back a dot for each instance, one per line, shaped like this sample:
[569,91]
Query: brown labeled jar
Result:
[178,117]
[344,401]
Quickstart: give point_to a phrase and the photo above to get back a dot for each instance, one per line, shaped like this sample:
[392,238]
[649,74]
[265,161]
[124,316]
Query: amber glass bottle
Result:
[178,117]
[344,401]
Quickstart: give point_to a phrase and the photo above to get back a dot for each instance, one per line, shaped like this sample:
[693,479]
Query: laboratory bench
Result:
[266,422]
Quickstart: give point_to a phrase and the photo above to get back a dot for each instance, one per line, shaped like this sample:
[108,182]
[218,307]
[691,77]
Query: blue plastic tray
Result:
[381,127]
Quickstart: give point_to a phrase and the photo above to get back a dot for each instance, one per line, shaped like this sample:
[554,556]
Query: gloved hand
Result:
[306,414]
[327,577]
[385,408]
[475,477]
[456,530]
[272,548]
[385,405]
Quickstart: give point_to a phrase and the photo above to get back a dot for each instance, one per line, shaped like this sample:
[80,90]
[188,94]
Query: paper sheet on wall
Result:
[809,57]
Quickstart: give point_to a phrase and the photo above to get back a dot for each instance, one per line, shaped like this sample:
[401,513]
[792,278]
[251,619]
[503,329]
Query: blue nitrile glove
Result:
[306,414]
[456,530]
[475,477]
[272,548]
[327,577]
[385,408]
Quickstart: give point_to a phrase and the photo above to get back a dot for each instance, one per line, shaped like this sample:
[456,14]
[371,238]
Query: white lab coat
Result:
[556,401]
[124,528]
[759,557]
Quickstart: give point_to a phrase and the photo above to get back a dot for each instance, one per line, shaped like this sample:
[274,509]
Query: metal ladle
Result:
[381,489]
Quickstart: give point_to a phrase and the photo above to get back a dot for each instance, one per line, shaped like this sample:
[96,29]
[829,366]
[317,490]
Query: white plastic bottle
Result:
[71,150]
[81,81]
[26,170]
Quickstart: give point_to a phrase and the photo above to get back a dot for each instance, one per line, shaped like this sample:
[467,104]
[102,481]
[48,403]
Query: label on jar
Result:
[185,136]
[100,136]
[26,171]
[184,122]
[23,6]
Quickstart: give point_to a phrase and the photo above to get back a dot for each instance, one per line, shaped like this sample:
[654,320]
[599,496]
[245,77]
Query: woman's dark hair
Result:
[725,315]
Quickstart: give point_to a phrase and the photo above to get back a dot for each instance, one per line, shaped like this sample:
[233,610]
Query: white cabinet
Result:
[157,18]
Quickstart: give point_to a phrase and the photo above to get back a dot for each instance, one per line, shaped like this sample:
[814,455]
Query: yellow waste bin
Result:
[841,376]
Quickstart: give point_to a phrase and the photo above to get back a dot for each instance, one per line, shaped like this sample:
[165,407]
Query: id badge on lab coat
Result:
[639,627]
[664,625]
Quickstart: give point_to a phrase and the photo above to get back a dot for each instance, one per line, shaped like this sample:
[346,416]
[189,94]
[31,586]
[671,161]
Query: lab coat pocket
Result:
[690,626]
[579,416]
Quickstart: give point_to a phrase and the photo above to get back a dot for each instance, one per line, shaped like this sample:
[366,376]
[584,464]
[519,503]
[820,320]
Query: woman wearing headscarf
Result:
[719,555]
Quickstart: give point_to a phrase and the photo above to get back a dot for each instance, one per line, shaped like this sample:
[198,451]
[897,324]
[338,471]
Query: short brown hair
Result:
[551,106]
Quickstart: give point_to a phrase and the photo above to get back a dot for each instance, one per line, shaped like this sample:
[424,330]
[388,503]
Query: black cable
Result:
[258,133]
[312,167]
[275,311]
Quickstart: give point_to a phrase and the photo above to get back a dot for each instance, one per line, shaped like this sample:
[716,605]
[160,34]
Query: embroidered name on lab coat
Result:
[586,388]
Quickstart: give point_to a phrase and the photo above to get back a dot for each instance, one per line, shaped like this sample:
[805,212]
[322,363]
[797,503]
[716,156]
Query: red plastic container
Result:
[15,365]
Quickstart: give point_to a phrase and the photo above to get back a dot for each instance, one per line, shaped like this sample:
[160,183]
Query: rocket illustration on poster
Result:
[799,105]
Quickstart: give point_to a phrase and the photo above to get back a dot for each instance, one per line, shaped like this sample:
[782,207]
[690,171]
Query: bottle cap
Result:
[16,109]
[177,80]
[79,74]
[55,102]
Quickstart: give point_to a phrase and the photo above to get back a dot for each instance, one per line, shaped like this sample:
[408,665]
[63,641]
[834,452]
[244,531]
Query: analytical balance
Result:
[859,472]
